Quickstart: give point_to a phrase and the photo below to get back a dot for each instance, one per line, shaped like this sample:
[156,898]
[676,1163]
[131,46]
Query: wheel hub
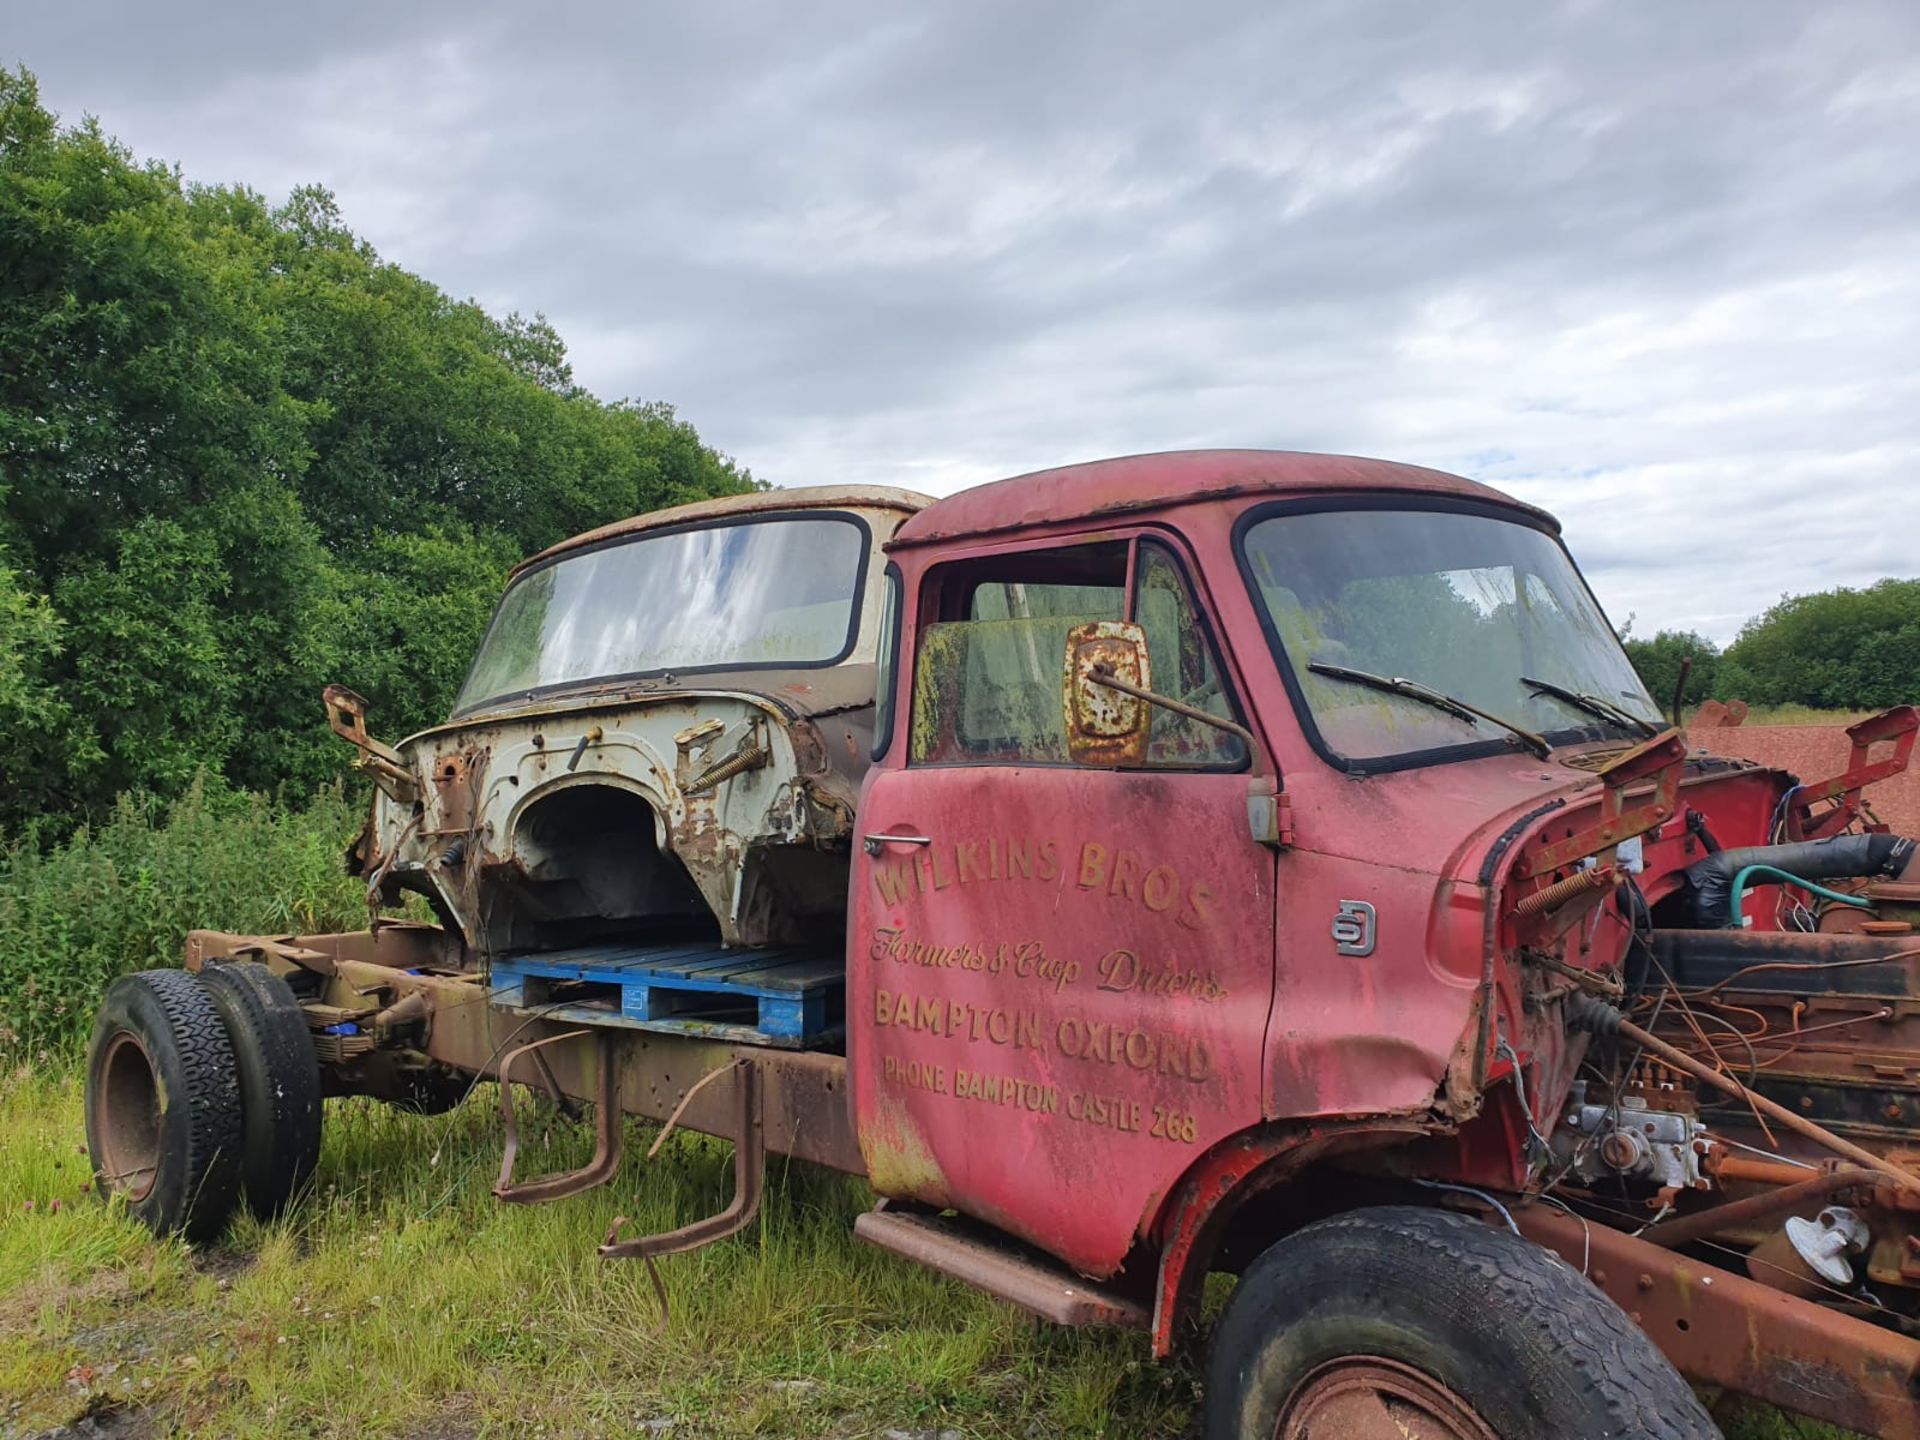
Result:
[127,1116]
[1367,1397]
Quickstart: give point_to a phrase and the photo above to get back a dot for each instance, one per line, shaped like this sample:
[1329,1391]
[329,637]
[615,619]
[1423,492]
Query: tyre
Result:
[279,1081]
[163,1104]
[1404,1321]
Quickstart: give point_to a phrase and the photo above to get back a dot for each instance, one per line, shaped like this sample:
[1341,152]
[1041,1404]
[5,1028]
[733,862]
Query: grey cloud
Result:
[1651,266]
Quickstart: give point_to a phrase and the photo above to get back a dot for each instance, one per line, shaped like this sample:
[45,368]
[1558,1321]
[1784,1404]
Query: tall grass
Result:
[121,896]
[401,1299]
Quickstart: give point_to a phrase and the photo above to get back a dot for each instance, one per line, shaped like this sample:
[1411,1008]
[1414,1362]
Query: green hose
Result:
[1740,890]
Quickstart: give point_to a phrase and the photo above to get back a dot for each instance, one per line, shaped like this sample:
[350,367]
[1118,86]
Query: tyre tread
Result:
[210,1100]
[1610,1359]
[281,1126]
[1541,1289]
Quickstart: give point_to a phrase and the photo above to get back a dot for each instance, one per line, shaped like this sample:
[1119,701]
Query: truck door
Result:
[1059,973]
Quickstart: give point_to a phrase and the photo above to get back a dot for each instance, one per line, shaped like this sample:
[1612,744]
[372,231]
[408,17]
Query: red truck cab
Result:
[1183,918]
[1072,977]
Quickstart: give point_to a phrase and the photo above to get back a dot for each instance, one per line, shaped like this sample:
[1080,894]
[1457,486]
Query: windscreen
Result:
[1466,604]
[751,593]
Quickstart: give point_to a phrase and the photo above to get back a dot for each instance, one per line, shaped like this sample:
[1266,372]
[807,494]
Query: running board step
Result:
[990,1261]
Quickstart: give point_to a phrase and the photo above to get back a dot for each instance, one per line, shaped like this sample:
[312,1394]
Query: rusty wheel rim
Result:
[127,1113]
[1367,1397]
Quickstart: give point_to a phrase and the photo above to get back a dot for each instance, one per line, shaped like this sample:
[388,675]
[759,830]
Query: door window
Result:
[988,673]
[883,675]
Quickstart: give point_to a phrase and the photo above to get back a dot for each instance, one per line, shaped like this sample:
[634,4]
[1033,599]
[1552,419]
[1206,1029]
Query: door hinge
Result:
[1269,814]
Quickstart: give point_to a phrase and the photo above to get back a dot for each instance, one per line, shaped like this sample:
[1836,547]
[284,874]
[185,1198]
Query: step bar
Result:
[990,1261]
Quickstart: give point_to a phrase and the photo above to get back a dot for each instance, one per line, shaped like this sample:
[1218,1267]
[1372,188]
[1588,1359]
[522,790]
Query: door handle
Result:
[874,844]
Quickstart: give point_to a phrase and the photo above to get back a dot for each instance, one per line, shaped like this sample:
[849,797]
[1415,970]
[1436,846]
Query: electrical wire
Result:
[1784,1159]
[1620,1213]
[1776,826]
[1848,964]
[1506,1052]
[1586,1230]
[1753,1060]
[478,1075]
[1505,1214]
[1686,1013]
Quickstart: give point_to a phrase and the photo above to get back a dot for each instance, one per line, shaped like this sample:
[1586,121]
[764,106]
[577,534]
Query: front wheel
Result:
[1402,1322]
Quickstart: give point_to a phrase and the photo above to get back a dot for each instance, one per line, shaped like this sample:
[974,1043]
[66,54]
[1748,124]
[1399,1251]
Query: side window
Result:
[886,667]
[1185,667]
[988,672]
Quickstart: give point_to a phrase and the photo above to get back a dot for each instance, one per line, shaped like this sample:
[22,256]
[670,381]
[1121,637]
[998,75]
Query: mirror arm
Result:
[1102,675]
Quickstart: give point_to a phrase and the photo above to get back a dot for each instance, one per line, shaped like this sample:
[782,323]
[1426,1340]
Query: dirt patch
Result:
[222,1265]
[107,1421]
[21,1309]
[455,1421]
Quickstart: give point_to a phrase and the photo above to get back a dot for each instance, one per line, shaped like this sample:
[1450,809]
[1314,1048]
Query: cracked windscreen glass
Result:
[1466,604]
[753,593]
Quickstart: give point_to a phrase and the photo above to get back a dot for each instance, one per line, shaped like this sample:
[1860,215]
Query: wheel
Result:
[1402,1322]
[163,1104]
[279,1081]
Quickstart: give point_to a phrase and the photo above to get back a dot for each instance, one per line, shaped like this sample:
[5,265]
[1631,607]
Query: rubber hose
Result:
[1836,858]
[1740,891]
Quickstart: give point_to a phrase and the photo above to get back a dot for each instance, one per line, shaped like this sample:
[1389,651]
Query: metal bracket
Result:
[749,1175]
[347,715]
[749,1155]
[1659,760]
[1897,725]
[607,1126]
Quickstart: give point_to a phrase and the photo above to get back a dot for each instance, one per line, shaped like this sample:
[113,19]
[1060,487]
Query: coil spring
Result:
[1601,877]
[747,757]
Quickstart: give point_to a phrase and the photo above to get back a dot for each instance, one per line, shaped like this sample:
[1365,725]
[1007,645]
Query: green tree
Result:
[241,456]
[1658,660]
[40,741]
[1837,649]
[150,668]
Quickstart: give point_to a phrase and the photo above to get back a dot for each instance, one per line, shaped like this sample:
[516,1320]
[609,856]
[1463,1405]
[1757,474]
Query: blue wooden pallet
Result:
[791,996]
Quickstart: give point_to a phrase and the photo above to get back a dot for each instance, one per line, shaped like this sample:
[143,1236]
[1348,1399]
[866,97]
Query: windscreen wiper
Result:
[1414,690]
[1593,705]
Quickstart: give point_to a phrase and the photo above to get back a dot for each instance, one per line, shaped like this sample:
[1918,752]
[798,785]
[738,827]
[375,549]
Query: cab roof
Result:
[1179,477]
[805,497]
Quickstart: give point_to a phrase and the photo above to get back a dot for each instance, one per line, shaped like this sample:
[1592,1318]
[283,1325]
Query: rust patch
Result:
[456,781]
[1106,726]
[1720,1328]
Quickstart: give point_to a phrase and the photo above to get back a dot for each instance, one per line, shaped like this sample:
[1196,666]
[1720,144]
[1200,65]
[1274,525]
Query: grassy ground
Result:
[402,1300]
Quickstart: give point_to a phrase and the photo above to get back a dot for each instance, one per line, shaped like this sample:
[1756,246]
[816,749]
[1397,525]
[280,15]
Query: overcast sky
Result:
[1654,266]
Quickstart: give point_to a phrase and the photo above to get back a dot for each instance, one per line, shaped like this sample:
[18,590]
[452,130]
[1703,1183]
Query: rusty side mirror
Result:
[1106,724]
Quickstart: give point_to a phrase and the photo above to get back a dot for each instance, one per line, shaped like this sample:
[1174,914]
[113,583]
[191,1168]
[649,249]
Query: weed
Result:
[122,895]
